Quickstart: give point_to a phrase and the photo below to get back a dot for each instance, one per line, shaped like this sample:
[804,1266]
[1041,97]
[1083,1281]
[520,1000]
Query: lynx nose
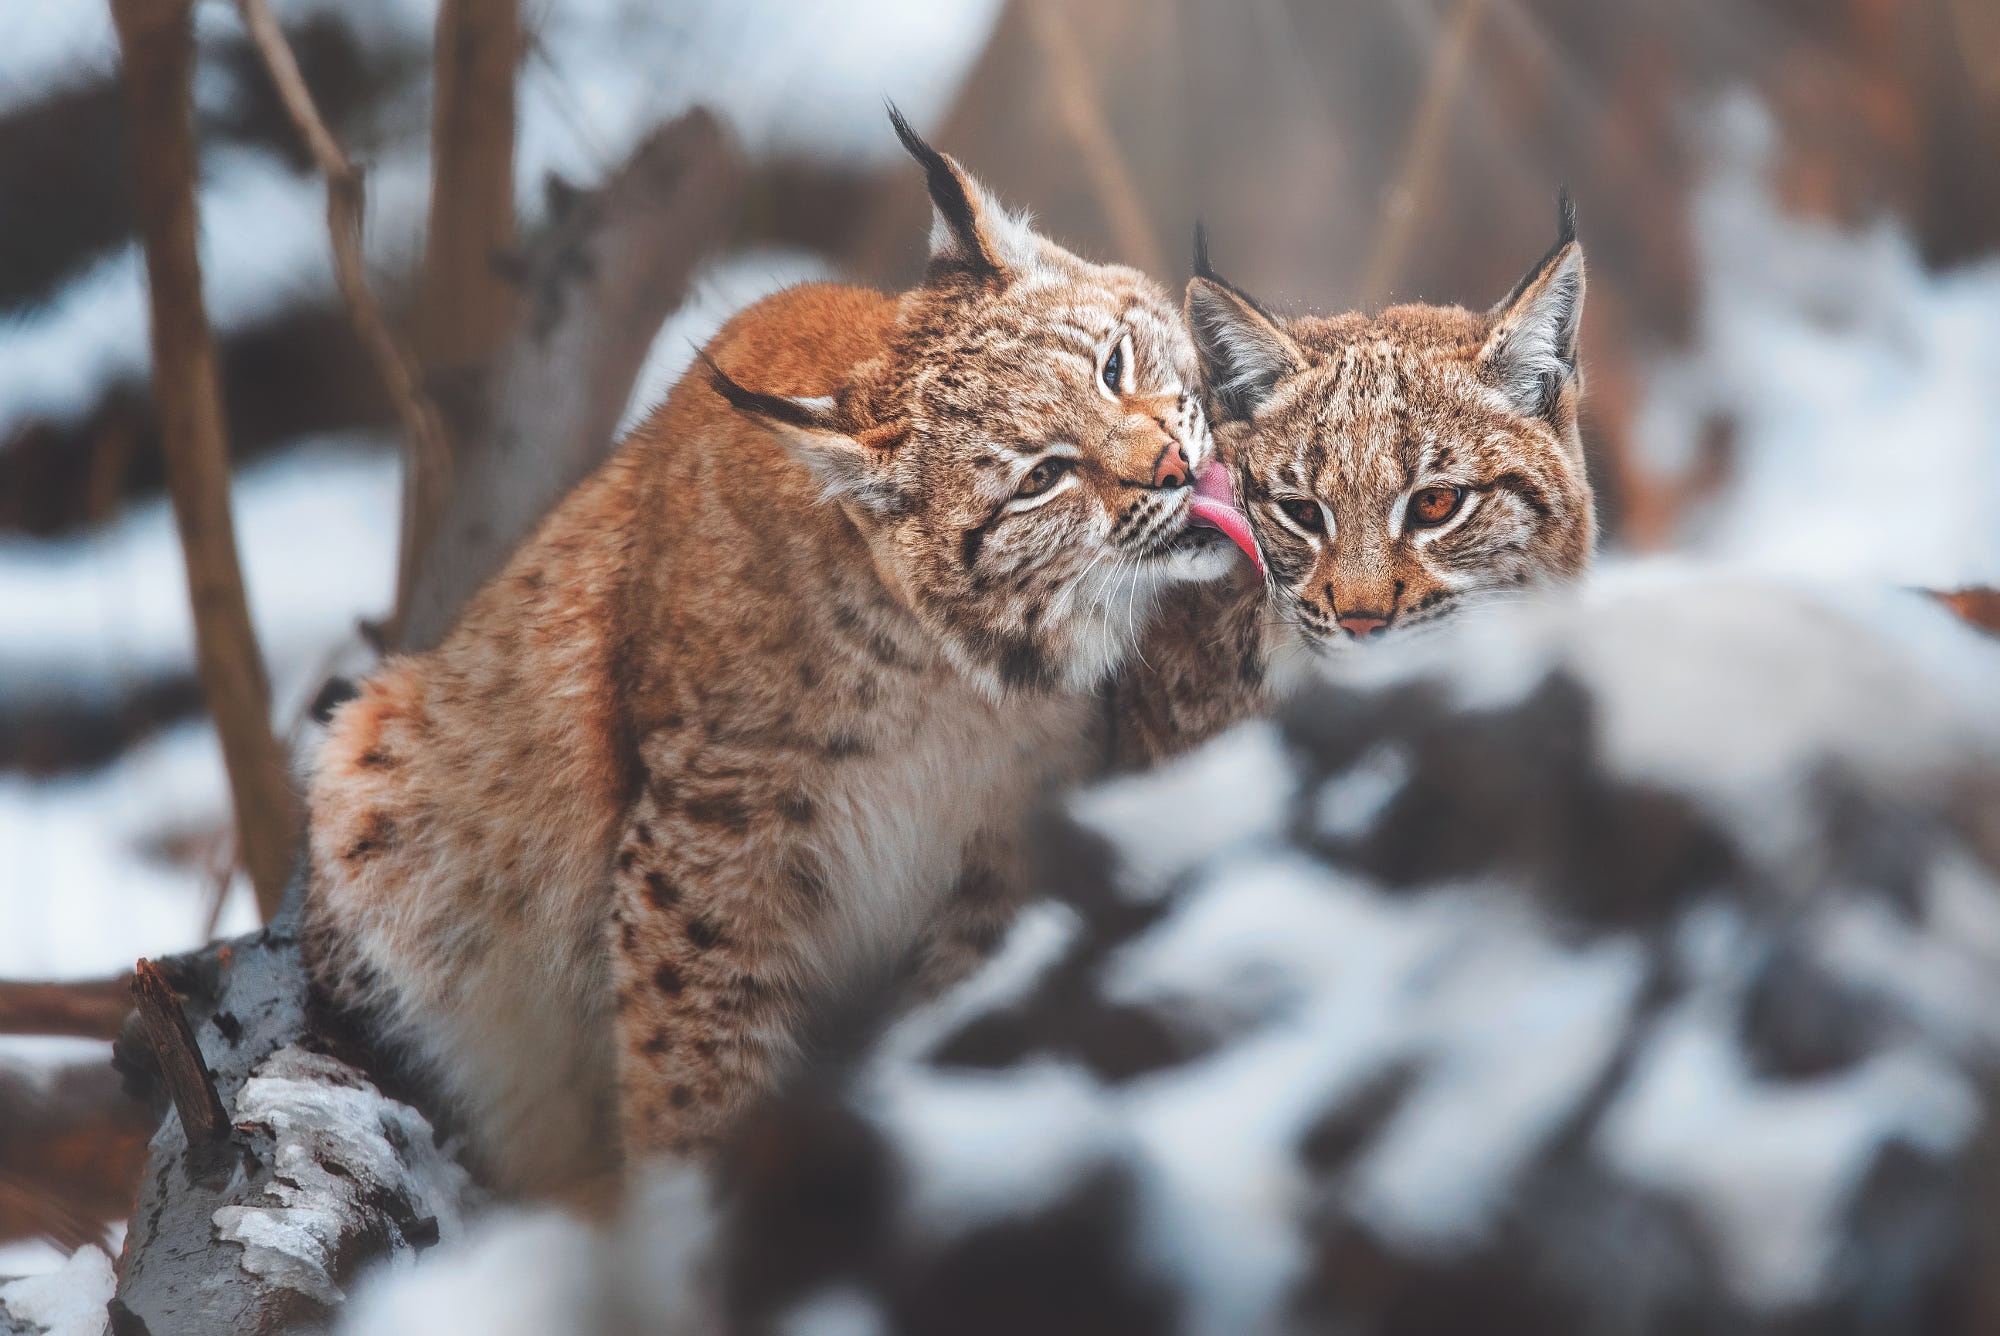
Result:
[1172,469]
[1361,625]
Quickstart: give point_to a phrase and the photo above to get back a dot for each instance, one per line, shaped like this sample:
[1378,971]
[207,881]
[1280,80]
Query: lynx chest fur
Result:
[756,715]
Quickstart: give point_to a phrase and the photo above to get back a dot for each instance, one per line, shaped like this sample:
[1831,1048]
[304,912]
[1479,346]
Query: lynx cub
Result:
[1385,472]
[756,710]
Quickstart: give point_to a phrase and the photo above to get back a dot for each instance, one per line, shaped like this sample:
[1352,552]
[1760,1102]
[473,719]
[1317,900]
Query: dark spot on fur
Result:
[806,874]
[721,810]
[667,978]
[796,808]
[703,932]
[681,1097]
[379,833]
[808,675]
[644,835]
[629,935]
[660,892]
[376,759]
[627,857]
[841,746]
[1021,664]
[656,1044]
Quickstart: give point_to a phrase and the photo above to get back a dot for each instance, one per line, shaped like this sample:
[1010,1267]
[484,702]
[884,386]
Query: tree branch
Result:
[427,448]
[83,1008]
[156,45]
[465,305]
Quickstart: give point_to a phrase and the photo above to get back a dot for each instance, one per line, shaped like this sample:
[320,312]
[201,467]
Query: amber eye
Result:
[1306,514]
[1114,368]
[1434,505]
[1043,476]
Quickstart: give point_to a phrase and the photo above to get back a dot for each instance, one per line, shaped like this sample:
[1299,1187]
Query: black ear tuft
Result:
[1565,236]
[1205,270]
[774,408]
[949,195]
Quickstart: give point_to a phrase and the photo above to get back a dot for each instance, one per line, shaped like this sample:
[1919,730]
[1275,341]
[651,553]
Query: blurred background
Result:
[1790,208]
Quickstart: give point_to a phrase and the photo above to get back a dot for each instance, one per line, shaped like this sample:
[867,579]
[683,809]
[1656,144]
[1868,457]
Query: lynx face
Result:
[1022,460]
[1394,469]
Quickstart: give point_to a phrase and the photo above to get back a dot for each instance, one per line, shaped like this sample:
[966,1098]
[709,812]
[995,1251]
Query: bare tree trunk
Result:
[156,44]
[465,304]
[598,285]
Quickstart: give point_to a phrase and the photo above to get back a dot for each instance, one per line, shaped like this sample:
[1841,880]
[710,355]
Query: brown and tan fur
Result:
[757,711]
[1353,417]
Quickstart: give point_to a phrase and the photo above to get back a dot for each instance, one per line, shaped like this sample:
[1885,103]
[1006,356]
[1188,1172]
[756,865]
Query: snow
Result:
[324,1117]
[1865,391]
[83,617]
[1213,817]
[66,1302]
[1769,1164]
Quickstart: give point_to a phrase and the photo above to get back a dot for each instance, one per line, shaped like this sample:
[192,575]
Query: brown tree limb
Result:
[82,1008]
[465,305]
[426,446]
[1083,117]
[597,286]
[156,45]
[182,1068]
[1403,203]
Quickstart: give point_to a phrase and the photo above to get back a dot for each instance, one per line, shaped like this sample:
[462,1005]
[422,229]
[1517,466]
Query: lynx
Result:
[757,711]
[1382,473]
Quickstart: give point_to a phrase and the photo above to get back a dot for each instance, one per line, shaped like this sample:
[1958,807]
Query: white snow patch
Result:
[319,1110]
[1503,1029]
[66,1302]
[837,1312]
[519,1275]
[1768,1165]
[86,616]
[1864,389]
[1350,803]
[1235,791]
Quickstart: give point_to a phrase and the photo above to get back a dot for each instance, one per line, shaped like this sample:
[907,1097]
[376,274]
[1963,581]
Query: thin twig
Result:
[156,45]
[1403,205]
[182,1067]
[427,448]
[1083,117]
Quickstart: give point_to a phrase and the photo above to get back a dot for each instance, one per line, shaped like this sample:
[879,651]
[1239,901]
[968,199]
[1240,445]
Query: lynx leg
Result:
[704,1010]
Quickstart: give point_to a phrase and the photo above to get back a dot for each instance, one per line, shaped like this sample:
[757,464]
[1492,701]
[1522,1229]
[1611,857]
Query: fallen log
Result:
[257,1221]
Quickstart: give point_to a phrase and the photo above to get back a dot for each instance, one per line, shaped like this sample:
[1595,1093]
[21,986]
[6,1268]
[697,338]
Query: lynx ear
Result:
[817,434]
[970,231]
[1531,353]
[1243,352]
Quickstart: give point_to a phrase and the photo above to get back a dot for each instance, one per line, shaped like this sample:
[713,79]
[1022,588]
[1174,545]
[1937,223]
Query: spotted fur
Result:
[753,715]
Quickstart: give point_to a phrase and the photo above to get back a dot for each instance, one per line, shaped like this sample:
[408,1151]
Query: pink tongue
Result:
[1215,506]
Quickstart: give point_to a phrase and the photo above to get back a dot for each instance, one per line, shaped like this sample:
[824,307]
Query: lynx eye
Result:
[1043,476]
[1434,505]
[1116,363]
[1306,514]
